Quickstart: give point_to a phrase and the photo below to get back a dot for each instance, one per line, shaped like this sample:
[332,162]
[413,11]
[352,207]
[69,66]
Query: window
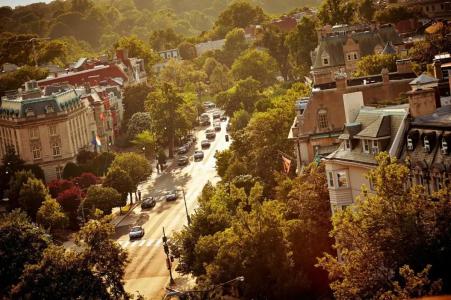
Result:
[370,180]
[375,148]
[56,149]
[59,172]
[366,146]
[49,109]
[34,133]
[444,146]
[325,61]
[419,179]
[427,145]
[52,129]
[437,183]
[349,56]
[342,179]
[409,144]
[356,56]
[330,179]
[347,145]
[29,112]
[36,151]
[322,119]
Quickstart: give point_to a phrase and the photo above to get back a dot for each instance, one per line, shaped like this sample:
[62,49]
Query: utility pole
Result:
[188,218]
[168,260]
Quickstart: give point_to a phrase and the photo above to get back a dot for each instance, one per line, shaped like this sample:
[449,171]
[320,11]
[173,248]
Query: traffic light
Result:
[164,239]
[168,263]
[166,248]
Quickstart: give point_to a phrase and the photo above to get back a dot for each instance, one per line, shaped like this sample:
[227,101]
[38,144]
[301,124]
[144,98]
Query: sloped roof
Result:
[367,41]
[378,128]
[389,49]
[423,79]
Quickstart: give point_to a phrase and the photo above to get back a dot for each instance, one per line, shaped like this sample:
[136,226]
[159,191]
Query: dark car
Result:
[171,195]
[148,203]
[210,133]
[199,154]
[205,144]
[223,118]
[217,126]
[228,127]
[182,160]
[216,115]
[136,232]
[182,150]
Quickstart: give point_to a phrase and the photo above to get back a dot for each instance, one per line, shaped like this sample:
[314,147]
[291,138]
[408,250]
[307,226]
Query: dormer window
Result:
[325,59]
[347,144]
[409,144]
[426,145]
[29,112]
[322,119]
[49,109]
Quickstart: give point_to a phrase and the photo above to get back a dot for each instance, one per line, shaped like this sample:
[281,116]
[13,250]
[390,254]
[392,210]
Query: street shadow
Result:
[121,230]
[164,205]
[143,218]
[167,182]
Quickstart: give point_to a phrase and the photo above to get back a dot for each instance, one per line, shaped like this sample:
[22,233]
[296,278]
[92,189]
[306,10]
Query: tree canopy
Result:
[256,64]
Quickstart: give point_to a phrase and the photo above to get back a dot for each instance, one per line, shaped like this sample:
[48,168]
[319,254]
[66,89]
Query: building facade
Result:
[47,128]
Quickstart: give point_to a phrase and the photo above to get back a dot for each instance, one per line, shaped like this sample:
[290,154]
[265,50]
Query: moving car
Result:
[136,232]
[228,127]
[205,144]
[199,154]
[171,195]
[182,160]
[216,115]
[210,133]
[148,203]
[223,118]
[217,126]
[183,149]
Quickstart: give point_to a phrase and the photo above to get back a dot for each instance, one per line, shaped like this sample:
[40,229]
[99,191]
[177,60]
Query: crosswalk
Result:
[139,243]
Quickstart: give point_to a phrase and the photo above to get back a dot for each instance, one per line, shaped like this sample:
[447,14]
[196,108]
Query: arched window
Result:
[322,119]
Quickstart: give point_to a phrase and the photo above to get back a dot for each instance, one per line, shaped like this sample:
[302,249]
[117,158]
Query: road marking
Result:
[124,244]
[149,243]
[141,242]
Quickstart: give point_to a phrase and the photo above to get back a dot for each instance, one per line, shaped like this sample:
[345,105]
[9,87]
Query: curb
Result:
[126,215]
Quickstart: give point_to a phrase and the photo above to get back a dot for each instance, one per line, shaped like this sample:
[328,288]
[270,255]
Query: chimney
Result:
[340,81]
[436,67]
[404,66]
[385,78]
[422,102]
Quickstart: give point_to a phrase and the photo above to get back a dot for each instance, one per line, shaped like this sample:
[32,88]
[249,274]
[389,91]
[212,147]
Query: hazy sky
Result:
[19,2]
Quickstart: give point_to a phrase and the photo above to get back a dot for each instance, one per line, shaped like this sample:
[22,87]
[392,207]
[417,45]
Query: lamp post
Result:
[168,260]
[188,218]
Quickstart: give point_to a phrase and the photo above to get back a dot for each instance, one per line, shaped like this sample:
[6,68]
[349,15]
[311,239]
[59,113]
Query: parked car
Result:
[216,115]
[228,127]
[148,203]
[205,144]
[182,160]
[210,133]
[136,232]
[217,126]
[223,118]
[171,195]
[199,154]
[182,150]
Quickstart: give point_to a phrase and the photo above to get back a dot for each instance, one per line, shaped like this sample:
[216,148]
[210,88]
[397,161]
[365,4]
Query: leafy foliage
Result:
[256,64]
[134,98]
[138,123]
[119,180]
[335,12]
[51,216]
[373,64]
[135,165]
[31,196]
[103,198]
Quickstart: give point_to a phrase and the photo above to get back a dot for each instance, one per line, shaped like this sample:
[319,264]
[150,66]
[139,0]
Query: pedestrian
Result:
[158,168]
[139,195]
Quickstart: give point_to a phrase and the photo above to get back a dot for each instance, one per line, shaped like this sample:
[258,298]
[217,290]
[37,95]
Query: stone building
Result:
[47,128]
[340,48]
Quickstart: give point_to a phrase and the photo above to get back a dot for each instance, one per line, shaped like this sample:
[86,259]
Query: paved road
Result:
[147,272]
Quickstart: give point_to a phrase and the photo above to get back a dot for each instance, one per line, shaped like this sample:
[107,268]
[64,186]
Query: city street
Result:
[147,272]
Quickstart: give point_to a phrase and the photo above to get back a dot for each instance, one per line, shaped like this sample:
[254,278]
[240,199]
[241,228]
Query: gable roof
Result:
[378,128]
[424,78]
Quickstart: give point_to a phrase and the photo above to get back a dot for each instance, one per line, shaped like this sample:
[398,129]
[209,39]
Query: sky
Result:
[13,3]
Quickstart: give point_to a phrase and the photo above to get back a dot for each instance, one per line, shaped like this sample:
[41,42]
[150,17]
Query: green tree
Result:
[374,64]
[164,39]
[222,161]
[239,14]
[119,180]
[274,40]
[235,43]
[147,142]
[366,10]
[300,43]
[15,184]
[31,195]
[21,243]
[135,165]
[134,98]
[137,48]
[335,12]
[14,80]
[187,50]
[395,13]
[243,95]
[51,216]
[239,120]
[219,79]
[103,198]
[372,236]
[139,122]
[256,64]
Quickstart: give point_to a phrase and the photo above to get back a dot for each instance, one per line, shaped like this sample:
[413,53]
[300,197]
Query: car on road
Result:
[182,160]
[148,203]
[171,195]
[228,127]
[198,154]
[216,115]
[223,118]
[136,232]
[217,126]
[205,144]
[209,105]
[210,133]
[183,149]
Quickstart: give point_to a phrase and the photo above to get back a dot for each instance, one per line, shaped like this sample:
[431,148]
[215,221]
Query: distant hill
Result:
[14,3]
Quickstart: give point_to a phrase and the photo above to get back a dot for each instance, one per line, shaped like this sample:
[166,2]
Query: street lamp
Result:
[168,260]
[188,218]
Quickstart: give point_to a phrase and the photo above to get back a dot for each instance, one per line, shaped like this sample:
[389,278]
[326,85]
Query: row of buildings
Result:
[48,122]
[406,115]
